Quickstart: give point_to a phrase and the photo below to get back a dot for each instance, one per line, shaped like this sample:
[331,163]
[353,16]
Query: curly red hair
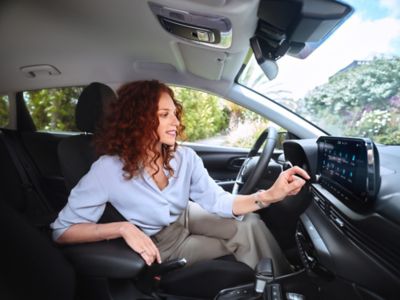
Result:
[129,128]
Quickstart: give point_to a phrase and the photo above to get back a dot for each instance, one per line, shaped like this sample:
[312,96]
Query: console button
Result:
[274,291]
[294,296]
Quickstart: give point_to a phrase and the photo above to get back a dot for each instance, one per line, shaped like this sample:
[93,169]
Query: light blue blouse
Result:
[139,199]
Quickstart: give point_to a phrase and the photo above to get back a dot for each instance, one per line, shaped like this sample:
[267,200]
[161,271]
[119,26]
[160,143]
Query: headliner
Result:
[116,41]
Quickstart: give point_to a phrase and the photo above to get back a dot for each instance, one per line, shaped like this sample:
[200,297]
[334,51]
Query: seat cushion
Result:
[31,267]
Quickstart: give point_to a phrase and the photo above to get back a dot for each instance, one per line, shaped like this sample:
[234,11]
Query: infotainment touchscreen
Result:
[349,167]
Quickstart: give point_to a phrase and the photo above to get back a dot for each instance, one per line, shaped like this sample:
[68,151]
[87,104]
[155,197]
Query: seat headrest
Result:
[91,102]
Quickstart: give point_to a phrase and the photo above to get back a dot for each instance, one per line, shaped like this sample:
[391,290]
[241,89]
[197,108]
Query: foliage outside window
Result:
[4,111]
[208,118]
[213,120]
[350,85]
[53,109]
[363,100]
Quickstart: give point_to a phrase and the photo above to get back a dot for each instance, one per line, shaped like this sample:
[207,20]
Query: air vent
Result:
[386,254]
[320,201]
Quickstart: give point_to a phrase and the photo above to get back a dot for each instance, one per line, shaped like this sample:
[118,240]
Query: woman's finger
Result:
[155,252]
[296,183]
[152,250]
[294,192]
[297,171]
[146,258]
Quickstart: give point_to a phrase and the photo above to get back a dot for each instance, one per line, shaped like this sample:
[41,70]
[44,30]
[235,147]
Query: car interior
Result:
[340,233]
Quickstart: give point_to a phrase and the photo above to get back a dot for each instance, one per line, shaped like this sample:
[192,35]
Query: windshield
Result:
[350,85]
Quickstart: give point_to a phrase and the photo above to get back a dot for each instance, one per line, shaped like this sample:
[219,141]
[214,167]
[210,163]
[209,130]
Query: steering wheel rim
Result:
[270,135]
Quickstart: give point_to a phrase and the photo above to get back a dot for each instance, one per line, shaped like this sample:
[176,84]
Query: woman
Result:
[149,179]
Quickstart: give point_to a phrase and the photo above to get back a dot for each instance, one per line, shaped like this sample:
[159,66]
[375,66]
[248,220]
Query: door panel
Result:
[222,163]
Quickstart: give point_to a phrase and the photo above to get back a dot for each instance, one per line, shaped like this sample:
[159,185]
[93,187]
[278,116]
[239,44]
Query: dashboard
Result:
[349,236]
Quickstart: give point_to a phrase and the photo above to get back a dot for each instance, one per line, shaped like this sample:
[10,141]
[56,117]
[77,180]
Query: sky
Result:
[373,29]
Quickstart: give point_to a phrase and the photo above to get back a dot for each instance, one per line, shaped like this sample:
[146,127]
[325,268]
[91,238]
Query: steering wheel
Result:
[253,167]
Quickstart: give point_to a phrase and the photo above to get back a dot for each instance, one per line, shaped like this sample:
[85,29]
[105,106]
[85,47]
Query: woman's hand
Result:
[140,242]
[288,183]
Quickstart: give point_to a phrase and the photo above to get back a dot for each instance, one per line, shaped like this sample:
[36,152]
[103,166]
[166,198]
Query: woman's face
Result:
[168,122]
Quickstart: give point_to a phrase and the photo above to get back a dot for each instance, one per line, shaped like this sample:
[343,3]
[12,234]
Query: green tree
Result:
[53,109]
[4,110]
[360,101]
[204,115]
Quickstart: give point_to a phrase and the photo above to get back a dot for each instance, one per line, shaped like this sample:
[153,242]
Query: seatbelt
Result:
[38,209]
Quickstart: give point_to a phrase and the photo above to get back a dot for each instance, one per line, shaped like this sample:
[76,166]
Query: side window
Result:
[212,120]
[4,110]
[53,109]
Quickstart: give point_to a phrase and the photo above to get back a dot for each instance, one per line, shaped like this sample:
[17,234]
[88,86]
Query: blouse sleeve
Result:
[205,191]
[86,202]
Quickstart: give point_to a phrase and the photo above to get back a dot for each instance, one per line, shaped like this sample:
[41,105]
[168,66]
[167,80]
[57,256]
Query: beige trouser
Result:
[199,235]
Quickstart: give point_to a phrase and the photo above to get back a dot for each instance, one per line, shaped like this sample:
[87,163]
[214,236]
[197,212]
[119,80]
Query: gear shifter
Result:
[264,281]
[264,274]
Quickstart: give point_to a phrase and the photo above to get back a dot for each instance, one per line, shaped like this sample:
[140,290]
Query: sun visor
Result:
[297,27]
[203,62]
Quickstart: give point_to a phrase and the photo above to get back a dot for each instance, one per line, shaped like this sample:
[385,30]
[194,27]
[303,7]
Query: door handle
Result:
[237,162]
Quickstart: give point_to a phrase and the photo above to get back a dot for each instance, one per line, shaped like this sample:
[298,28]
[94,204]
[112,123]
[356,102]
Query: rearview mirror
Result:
[295,28]
[267,56]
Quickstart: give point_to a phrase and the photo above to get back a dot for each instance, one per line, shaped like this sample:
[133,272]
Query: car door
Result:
[222,163]
[222,134]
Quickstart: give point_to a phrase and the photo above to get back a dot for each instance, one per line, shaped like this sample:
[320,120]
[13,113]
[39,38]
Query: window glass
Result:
[350,85]
[212,120]
[53,109]
[4,110]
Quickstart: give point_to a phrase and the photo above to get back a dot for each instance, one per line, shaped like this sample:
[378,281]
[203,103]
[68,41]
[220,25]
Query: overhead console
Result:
[209,30]
[349,168]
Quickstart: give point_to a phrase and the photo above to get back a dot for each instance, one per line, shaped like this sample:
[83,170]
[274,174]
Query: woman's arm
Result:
[91,232]
[133,236]
[287,184]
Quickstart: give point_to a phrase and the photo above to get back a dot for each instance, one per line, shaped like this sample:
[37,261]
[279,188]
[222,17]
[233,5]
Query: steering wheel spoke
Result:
[251,172]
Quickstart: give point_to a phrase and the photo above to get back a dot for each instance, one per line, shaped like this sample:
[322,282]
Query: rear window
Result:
[4,110]
[53,109]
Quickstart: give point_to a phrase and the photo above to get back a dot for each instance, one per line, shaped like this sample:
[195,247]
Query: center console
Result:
[347,249]
[345,244]
[266,286]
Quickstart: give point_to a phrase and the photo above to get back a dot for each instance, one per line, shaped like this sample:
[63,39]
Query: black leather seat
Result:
[31,266]
[76,153]
[114,260]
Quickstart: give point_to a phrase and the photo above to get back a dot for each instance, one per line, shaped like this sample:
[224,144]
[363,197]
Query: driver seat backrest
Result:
[76,154]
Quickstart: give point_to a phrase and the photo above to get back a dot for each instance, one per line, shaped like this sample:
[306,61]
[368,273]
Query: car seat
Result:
[113,262]
[31,267]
